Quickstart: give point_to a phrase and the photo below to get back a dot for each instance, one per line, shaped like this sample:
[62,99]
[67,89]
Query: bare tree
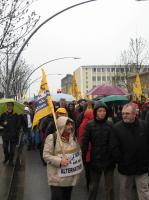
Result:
[17,22]
[139,54]
[132,60]
[19,76]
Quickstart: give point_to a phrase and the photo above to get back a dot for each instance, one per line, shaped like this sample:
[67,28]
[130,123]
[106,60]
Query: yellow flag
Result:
[44,105]
[75,89]
[70,91]
[137,88]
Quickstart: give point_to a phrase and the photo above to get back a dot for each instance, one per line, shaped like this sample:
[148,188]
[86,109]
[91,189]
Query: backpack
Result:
[54,139]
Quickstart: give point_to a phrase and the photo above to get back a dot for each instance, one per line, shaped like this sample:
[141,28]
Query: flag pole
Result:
[45,106]
[58,132]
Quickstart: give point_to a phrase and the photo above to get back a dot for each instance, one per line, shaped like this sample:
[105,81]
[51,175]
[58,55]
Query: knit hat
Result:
[61,110]
[27,109]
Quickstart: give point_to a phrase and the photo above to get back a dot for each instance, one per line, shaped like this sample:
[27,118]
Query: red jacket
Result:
[88,115]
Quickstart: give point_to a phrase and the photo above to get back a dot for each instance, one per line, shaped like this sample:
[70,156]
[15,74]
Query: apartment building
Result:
[66,83]
[88,77]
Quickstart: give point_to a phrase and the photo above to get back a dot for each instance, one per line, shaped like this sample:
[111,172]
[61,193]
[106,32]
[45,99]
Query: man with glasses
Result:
[130,148]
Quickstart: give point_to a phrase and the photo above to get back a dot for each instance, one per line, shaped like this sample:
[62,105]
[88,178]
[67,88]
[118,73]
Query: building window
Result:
[94,78]
[122,70]
[94,69]
[103,78]
[103,69]
[98,69]
[113,70]
[117,69]
[108,69]
[99,78]
[108,78]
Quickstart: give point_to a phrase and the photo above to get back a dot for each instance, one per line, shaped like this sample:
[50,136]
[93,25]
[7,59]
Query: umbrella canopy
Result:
[106,90]
[115,99]
[18,107]
[58,96]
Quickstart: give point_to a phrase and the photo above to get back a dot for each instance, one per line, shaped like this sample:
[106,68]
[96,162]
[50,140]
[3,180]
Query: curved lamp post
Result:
[31,35]
[62,58]
[39,79]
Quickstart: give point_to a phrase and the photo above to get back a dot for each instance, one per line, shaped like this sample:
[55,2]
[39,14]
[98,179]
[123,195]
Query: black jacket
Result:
[12,128]
[98,133]
[24,122]
[130,147]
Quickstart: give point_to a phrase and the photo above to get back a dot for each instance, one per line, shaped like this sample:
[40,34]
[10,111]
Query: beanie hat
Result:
[61,110]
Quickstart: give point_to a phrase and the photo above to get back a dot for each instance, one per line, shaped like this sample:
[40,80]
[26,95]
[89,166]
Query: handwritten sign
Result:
[75,165]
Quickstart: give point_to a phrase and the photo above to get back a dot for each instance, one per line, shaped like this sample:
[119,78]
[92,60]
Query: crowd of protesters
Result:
[109,136]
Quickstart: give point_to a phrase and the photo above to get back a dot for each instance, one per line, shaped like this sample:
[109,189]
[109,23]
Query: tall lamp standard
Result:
[33,33]
[53,60]
[35,80]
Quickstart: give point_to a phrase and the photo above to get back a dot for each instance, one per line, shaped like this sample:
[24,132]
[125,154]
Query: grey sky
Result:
[97,32]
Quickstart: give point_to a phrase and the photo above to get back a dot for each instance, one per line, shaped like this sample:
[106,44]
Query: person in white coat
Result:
[63,171]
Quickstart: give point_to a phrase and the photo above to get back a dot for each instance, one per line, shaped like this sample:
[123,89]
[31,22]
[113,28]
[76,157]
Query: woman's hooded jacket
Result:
[52,154]
[88,115]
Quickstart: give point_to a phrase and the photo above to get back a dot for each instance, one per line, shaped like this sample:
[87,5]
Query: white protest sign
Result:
[75,165]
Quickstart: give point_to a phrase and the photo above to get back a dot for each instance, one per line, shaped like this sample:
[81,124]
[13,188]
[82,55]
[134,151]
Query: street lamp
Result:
[75,58]
[33,33]
[39,79]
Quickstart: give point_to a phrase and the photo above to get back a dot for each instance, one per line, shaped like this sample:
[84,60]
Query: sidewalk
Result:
[5,176]
[35,184]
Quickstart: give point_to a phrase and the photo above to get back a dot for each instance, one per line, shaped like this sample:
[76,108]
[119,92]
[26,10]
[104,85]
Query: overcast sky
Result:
[96,32]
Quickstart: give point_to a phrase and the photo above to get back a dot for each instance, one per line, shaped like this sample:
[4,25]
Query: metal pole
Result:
[43,65]
[27,40]
[39,79]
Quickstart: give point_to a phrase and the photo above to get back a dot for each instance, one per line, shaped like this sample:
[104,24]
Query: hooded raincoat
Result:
[52,154]
[98,133]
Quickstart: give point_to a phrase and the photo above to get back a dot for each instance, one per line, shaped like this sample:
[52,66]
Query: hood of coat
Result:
[61,123]
[88,114]
[100,104]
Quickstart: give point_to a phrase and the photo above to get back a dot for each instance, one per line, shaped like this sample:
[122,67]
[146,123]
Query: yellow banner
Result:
[44,103]
[137,88]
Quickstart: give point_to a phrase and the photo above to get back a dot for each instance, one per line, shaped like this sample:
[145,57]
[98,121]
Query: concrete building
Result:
[88,77]
[66,83]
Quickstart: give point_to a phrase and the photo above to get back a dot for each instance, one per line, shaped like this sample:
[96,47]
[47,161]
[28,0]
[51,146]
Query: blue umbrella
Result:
[57,97]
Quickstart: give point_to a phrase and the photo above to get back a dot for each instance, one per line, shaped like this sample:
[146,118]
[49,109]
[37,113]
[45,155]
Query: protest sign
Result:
[75,165]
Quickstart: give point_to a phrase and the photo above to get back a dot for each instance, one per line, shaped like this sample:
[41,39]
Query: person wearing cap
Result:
[27,127]
[61,184]
[11,123]
[61,112]
[97,132]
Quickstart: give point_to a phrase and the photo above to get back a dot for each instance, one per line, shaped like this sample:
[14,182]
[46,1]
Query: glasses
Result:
[126,113]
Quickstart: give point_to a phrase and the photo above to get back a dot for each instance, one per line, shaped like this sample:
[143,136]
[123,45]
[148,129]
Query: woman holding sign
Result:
[63,171]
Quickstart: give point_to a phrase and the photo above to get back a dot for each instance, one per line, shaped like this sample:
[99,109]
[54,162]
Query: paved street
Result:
[36,181]
[33,181]
[0,140]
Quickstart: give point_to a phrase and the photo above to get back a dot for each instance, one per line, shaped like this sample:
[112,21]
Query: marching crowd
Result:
[105,137]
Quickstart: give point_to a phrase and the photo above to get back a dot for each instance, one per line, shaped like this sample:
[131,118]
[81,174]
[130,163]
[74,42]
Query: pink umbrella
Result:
[106,90]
